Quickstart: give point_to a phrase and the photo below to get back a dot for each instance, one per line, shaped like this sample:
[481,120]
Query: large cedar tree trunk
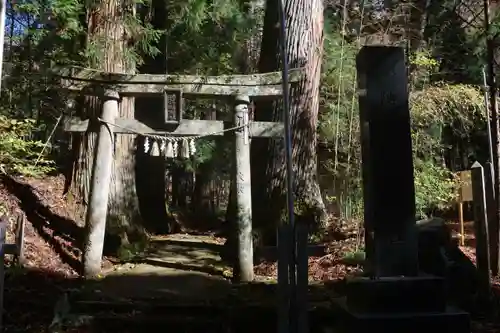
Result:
[304,47]
[202,197]
[106,25]
[151,170]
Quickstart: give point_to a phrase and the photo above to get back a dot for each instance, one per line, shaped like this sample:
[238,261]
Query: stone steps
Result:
[126,317]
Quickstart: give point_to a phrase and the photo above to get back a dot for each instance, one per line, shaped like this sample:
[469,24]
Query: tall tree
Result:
[304,47]
[108,40]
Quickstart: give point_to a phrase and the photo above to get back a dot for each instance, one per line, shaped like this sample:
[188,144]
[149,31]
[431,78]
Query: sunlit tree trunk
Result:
[107,37]
[304,47]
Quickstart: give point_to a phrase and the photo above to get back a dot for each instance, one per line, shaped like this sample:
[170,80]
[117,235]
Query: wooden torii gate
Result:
[111,86]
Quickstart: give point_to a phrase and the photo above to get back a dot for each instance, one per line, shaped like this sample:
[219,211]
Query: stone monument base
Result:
[450,320]
[400,305]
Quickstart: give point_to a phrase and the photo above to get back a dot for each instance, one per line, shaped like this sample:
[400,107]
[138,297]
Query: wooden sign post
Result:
[481,230]
[464,195]
[493,226]
[16,249]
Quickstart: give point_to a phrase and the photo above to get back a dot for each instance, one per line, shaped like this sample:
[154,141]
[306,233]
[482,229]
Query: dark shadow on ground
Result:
[30,296]
[202,223]
[51,227]
[270,253]
[186,302]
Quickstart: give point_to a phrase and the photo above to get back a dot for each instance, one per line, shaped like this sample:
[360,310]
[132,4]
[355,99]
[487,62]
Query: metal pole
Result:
[289,169]
[490,61]
[3,4]
[488,115]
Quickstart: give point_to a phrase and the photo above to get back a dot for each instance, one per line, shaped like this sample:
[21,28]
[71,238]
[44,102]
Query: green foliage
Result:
[436,187]
[220,27]
[424,66]
[205,37]
[354,258]
[442,115]
[18,153]
[141,36]
[39,34]
[339,120]
[458,104]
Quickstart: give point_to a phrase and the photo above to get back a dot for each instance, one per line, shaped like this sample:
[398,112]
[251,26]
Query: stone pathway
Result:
[177,266]
[185,269]
[181,283]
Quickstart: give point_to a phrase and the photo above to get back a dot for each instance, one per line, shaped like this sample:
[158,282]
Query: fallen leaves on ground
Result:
[344,239]
[38,253]
[29,297]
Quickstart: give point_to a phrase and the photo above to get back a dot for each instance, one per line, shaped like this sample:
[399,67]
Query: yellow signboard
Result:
[465,191]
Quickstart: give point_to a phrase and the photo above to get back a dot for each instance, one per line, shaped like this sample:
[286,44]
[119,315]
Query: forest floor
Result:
[183,268]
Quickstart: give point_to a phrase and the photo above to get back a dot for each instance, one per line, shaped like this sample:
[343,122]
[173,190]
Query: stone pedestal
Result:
[400,305]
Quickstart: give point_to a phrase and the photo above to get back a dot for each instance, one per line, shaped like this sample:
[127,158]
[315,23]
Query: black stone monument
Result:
[394,297]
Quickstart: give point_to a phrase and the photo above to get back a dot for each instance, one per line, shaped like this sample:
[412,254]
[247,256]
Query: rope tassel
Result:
[146,145]
[192,147]
[175,149]
[155,149]
[185,149]
[169,150]
[156,145]
[162,146]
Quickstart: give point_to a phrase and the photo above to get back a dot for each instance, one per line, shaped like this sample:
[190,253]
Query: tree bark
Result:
[202,196]
[151,170]
[106,26]
[304,47]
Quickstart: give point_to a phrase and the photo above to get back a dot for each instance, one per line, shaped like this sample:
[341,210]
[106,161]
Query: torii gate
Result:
[241,89]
